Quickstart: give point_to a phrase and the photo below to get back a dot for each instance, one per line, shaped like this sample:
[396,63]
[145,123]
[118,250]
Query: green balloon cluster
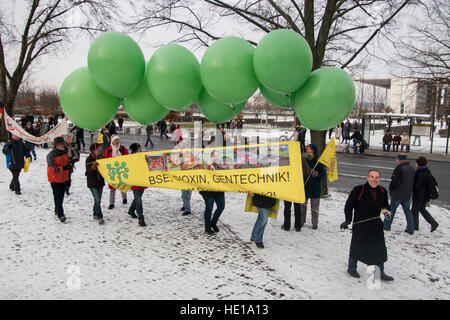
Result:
[326,98]
[215,111]
[230,72]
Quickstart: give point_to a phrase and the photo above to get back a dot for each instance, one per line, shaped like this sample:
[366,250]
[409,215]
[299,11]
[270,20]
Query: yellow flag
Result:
[328,158]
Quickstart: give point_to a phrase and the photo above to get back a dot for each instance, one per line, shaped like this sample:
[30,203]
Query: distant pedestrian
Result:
[115,150]
[136,205]
[396,142]
[363,207]
[58,173]
[177,135]
[163,128]
[95,181]
[357,138]
[79,134]
[263,204]
[421,194]
[16,152]
[120,121]
[74,156]
[149,130]
[112,128]
[31,146]
[400,189]
[346,131]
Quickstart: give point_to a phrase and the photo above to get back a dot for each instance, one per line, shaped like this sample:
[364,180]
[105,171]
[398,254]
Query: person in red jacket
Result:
[136,205]
[58,167]
[115,150]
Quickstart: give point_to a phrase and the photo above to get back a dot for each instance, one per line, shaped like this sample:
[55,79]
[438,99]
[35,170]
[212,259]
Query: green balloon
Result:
[215,111]
[143,107]
[227,70]
[84,103]
[326,98]
[174,77]
[116,63]
[277,99]
[282,61]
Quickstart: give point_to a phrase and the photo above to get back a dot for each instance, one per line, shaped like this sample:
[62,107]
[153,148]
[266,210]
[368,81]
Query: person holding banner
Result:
[263,204]
[16,152]
[95,181]
[58,166]
[115,150]
[136,205]
[29,128]
[313,185]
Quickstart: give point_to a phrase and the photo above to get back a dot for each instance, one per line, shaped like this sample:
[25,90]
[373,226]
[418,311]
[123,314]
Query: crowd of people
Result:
[362,207]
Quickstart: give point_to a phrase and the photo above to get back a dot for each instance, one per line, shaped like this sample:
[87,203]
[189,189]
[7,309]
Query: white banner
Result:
[13,127]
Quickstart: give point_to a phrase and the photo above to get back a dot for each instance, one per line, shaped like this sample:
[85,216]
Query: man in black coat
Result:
[367,244]
[420,194]
[18,154]
[400,190]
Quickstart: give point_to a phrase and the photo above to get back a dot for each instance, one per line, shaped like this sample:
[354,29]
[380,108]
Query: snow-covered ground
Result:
[172,258]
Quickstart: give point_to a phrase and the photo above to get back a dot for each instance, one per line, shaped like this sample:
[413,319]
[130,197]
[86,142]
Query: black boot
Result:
[353,273]
[142,223]
[385,277]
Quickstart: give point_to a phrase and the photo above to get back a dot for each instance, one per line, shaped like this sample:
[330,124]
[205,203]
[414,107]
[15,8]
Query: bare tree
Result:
[340,32]
[46,27]
[49,101]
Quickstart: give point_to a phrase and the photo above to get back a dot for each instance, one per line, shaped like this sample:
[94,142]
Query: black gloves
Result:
[344,225]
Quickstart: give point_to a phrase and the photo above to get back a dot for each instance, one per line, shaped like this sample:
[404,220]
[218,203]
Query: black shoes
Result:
[182,208]
[111,206]
[260,244]
[209,231]
[284,228]
[101,221]
[353,273]
[434,227]
[385,277]
[215,228]
[133,215]
[18,193]
[409,232]
[298,229]
[124,201]
[142,223]
[186,213]
[67,192]
[62,218]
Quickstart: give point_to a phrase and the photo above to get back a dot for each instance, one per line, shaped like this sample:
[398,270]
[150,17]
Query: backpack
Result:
[432,187]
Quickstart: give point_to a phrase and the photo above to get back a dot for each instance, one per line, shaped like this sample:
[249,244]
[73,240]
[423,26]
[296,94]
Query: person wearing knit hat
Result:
[115,150]
[400,190]
[58,167]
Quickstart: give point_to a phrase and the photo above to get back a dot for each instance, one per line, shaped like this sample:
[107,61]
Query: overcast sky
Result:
[52,69]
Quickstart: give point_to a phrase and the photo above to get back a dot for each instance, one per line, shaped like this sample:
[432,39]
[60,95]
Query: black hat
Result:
[58,140]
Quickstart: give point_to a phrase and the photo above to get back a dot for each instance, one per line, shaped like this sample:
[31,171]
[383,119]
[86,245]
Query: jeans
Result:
[136,205]
[148,139]
[260,225]
[355,148]
[15,184]
[415,139]
[59,190]
[406,204]
[386,147]
[209,204]
[97,193]
[163,132]
[352,264]
[421,207]
[112,195]
[287,215]
[186,197]
[30,147]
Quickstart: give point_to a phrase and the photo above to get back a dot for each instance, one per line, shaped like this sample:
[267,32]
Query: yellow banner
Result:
[273,212]
[272,169]
[328,158]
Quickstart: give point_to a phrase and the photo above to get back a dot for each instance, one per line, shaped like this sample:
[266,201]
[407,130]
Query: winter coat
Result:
[108,154]
[356,135]
[18,153]
[387,138]
[367,244]
[405,140]
[402,181]
[396,140]
[94,178]
[420,190]
[313,187]
[212,194]
[261,201]
[56,160]
[74,155]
